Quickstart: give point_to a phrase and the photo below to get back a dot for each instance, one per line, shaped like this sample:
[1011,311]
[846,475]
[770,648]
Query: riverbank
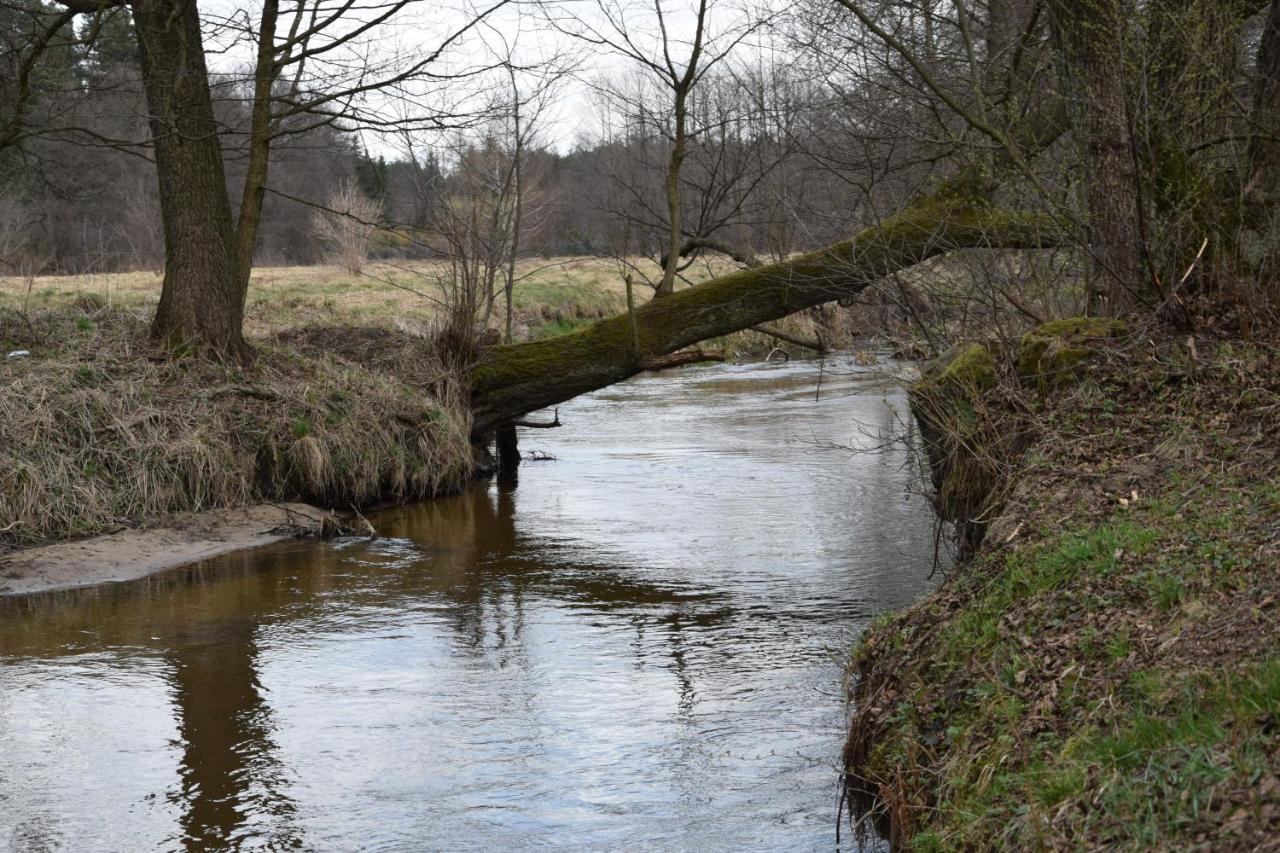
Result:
[375,693]
[97,433]
[351,401]
[1105,673]
[126,555]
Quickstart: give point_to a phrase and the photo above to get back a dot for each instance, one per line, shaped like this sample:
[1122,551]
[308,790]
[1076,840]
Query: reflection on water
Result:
[638,646]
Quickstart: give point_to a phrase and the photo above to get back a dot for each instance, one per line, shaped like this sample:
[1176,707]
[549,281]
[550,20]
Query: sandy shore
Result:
[130,554]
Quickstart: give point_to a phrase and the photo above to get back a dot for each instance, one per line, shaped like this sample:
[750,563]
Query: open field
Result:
[551,294]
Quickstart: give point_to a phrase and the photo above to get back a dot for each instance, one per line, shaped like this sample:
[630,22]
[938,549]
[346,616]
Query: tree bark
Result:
[671,188]
[1007,24]
[202,300]
[260,129]
[1091,37]
[1006,21]
[508,447]
[1263,178]
[514,380]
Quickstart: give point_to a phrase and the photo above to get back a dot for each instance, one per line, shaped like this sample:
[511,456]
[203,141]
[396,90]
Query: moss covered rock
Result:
[1053,352]
[961,440]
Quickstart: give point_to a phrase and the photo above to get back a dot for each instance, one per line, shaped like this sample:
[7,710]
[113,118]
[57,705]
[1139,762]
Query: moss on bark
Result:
[971,436]
[514,380]
[964,447]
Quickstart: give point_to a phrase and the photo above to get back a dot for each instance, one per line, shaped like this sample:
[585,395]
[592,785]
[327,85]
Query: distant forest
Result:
[757,180]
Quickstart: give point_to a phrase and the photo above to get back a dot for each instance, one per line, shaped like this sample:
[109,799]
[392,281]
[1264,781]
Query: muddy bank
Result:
[131,554]
[1103,673]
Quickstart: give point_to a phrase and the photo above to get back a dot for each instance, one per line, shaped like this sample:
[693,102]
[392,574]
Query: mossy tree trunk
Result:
[1192,94]
[516,379]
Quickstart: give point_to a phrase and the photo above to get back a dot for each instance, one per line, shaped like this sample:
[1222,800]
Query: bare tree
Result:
[1141,91]
[316,64]
[345,225]
[675,57]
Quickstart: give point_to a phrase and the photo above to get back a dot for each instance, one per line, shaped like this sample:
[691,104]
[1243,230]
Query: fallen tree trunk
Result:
[513,380]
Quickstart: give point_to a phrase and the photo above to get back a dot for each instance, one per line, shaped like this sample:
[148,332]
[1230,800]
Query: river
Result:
[639,646]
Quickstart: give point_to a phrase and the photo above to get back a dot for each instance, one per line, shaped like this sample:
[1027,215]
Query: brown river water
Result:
[639,646]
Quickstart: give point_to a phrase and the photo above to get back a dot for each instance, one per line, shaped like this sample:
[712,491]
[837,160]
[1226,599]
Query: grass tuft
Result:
[96,432]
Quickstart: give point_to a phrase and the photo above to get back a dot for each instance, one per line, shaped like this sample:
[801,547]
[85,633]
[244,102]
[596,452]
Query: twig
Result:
[369,528]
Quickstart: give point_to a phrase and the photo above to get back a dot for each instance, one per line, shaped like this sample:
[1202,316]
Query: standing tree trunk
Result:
[1191,57]
[517,201]
[1007,23]
[202,301]
[1091,37]
[260,128]
[1263,177]
[671,186]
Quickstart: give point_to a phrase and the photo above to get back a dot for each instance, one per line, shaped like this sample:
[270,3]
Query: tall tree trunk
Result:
[671,186]
[1007,23]
[202,301]
[260,129]
[1092,37]
[1191,54]
[517,214]
[1263,175]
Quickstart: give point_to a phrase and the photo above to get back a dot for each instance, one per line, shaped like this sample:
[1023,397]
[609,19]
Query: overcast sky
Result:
[535,35]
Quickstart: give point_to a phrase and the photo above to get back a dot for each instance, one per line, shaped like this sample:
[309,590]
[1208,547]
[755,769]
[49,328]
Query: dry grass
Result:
[553,296]
[404,295]
[349,401]
[96,432]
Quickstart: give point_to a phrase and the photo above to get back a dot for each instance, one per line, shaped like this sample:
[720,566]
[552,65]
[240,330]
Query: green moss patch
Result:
[966,438]
[1051,353]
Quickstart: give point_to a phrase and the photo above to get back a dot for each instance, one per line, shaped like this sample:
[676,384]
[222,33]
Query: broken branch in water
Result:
[681,358]
[551,424]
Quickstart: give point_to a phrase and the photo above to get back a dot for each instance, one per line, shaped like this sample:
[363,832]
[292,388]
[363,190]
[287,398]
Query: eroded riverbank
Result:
[1104,674]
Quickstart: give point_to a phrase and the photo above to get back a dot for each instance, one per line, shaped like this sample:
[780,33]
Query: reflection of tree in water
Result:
[233,785]
[204,622]
[493,571]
